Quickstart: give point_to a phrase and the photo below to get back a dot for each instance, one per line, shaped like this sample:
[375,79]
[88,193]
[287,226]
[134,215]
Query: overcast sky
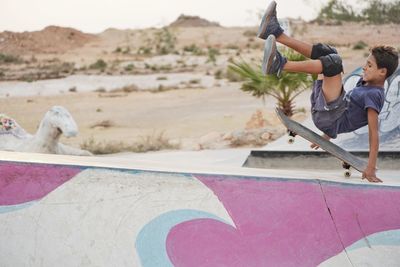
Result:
[97,15]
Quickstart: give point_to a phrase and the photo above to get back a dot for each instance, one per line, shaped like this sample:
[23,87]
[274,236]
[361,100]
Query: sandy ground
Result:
[180,114]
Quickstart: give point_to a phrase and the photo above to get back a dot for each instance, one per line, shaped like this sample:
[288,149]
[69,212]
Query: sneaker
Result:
[273,61]
[269,23]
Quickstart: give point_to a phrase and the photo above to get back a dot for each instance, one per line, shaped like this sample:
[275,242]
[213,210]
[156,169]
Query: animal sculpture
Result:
[56,122]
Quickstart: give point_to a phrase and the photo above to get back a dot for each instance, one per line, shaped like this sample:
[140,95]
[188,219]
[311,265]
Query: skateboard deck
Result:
[346,157]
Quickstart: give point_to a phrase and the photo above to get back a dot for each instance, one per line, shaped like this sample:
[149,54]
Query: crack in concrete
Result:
[362,231]
[334,223]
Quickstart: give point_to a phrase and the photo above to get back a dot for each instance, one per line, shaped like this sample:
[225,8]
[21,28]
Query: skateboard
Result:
[348,159]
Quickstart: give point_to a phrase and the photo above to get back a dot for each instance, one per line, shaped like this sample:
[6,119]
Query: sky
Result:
[94,16]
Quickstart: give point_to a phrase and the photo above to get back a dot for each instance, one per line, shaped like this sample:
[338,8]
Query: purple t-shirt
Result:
[359,100]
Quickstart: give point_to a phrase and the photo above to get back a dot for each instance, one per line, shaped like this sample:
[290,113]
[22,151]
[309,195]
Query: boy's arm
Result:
[370,172]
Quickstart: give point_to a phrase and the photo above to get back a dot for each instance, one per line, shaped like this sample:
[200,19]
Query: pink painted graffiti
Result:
[283,222]
[21,183]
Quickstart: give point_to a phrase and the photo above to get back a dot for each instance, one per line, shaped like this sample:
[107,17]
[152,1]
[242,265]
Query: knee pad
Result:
[319,50]
[331,65]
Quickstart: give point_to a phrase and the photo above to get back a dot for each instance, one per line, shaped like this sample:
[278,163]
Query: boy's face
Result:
[371,73]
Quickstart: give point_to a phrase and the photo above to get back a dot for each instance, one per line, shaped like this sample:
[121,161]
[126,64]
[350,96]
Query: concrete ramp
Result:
[54,213]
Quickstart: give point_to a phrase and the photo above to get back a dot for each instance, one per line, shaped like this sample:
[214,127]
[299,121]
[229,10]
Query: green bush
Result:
[194,49]
[6,58]
[218,75]
[99,65]
[129,67]
[212,54]
[250,33]
[144,50]
[360,45]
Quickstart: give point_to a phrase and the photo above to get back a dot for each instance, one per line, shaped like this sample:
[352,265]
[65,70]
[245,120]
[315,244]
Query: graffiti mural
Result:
[90,216]
[389,120]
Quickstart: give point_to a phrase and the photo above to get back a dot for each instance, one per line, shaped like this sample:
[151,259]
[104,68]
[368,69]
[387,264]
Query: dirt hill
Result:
[52,39]
[192,21]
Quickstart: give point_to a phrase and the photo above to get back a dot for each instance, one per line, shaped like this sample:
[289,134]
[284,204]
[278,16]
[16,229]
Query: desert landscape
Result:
[152,89]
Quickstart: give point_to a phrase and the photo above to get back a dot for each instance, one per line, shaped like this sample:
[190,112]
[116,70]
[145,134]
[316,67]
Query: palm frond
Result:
[284,89]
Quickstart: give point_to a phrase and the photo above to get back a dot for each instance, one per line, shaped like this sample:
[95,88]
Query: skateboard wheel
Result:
[291,140]
[347,174]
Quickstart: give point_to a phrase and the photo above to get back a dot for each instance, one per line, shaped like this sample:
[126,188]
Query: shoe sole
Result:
[269,54]
[266,18]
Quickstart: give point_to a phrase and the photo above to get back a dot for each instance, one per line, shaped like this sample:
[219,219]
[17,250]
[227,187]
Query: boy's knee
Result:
[319,50]
[331,65]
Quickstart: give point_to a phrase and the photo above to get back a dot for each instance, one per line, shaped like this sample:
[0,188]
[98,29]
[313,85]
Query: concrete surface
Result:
[191,209]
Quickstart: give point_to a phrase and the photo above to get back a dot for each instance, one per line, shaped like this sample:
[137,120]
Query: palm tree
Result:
[284,89]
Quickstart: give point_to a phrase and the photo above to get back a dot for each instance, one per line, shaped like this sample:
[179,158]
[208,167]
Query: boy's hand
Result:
[315,146]
[370,174]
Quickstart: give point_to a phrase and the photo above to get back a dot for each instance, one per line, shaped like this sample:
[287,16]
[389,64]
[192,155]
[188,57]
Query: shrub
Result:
[250,33]
[360,45]
[5,58]
[218,74]
[126,51]
[153,142]
[232,47]
[126,89]
[164,42]
[194,81]
[99,65]
[194,49]
[212,54]
[129,67]
[144,50]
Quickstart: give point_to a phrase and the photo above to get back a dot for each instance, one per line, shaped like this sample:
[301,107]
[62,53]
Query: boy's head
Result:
[386,57]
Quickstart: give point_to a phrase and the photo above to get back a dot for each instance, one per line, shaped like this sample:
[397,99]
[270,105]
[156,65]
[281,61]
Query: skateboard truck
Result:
[347,172]
[292,136]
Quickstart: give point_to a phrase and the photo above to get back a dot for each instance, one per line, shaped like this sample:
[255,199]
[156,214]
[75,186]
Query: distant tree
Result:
[284,89]
[380,12]
[338,10]
[375,11]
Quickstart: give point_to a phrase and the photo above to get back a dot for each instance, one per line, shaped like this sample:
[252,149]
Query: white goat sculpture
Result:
[56,121]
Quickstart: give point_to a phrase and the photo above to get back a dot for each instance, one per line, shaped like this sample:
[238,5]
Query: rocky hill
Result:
[52,39]
[192,21]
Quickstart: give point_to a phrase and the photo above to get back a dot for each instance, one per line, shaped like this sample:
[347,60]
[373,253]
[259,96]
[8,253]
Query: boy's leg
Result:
[332,87]
[313,51]
[270,26]
[330,65]
[302,47]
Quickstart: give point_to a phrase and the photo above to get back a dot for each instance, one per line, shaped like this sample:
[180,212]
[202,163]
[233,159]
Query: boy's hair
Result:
[386,57]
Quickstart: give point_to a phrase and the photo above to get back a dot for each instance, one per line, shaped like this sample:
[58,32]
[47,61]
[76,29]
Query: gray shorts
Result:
[325,115]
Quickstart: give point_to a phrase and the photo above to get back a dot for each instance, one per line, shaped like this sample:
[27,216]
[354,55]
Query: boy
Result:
[333,111]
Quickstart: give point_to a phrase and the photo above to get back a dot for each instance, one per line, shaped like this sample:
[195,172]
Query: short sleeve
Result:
[374,100]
